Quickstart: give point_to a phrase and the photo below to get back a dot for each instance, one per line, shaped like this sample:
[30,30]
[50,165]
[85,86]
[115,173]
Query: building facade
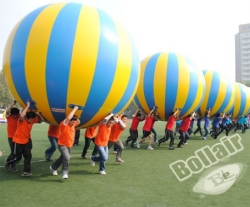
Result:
[242,54]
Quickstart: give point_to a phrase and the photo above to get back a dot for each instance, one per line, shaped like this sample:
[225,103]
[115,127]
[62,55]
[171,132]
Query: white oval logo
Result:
[219,180]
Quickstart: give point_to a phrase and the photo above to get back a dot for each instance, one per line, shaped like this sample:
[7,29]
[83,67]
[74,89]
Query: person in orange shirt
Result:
[101,142]
[12,116]
[22,139]
[89,136]
[115,134]
[53,134]
[65,143]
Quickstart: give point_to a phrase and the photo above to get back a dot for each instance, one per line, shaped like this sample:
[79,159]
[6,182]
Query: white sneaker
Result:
[54,172]
[26,174]
[65,176]
[138,145]
[204,138]
[150,148]
[92,163]
[102,172]
[119,160]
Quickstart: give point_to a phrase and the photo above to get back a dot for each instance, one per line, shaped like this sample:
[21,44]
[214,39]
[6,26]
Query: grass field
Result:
[144,179]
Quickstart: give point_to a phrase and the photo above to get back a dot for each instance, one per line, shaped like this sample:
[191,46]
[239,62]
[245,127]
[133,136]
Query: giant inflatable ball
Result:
[242,100]
[219,95]
[67,54]
[169,81]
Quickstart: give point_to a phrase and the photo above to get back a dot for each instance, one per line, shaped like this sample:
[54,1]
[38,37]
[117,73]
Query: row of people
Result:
[104,135]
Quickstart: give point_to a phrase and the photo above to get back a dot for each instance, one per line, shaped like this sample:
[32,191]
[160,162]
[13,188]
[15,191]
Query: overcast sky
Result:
[203,30]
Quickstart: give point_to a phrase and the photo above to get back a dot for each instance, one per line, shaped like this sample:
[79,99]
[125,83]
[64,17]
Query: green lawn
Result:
[144,179]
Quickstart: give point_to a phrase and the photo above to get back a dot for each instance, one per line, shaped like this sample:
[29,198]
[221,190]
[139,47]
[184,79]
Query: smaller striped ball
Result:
[242,100]
[169,81]
[219,95]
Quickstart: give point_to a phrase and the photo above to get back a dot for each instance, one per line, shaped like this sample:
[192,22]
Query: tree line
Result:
[5,96]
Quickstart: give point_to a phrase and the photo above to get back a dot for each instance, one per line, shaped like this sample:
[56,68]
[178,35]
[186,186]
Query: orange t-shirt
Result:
[91,132]
[12,125]
[23,130]
[115,132]
[54,131]
[102,136]
[67,134]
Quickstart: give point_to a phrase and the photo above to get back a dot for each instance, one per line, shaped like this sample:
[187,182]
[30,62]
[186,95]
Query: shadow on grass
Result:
[41,177]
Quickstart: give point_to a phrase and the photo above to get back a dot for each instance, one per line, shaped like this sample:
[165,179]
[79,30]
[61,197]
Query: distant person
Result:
[169,129]
[133,131]
[240,124]
[65,143]
[198,129]
[216,124]
[224,124]
[246,125]
[151,117]
[206,124]
[184,129]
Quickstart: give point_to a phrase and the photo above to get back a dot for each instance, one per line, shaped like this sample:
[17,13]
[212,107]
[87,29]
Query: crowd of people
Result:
[106,134]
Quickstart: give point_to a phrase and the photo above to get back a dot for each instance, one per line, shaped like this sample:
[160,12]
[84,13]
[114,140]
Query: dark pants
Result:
[86,147]
[168,133]
[133,137]
[119,146]
[115,148]
[245,128]
[226,129]
[155,134]
[190,130]
[25,151]
[11,144]
[53,146]
[239,126]
[12,148]
[217,131]
[21,150]
[77,136]
[12,158]
[198,130]
[183,138]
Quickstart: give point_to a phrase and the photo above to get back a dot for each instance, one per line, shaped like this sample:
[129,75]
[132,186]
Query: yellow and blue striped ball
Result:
[242,100]
[169,81]
[219,95]
[70,53]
